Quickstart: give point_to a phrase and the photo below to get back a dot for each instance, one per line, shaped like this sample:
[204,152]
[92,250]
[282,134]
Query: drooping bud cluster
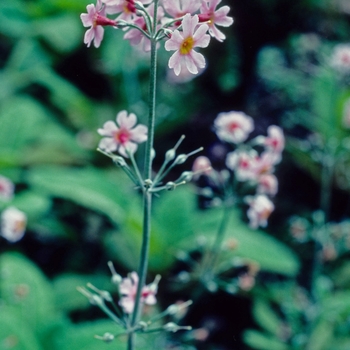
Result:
[250,162]
[184,23]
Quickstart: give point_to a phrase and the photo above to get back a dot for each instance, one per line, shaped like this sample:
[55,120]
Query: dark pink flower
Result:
[6,188]
[128,290]
[214,17]
[179,8]
[96,20]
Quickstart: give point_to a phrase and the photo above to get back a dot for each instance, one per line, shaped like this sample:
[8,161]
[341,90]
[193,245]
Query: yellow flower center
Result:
[187,46]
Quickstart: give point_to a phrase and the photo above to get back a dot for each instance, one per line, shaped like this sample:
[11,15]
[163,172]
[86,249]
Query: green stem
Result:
[215,251]
[147,196]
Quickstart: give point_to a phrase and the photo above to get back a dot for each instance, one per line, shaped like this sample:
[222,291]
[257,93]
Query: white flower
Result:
[260,208]
[13,224]
[340,59]
[233,126]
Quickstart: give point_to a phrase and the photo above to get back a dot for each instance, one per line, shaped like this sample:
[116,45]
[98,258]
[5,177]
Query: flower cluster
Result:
[184,23]
[250,162]
[12,220]
[333,238]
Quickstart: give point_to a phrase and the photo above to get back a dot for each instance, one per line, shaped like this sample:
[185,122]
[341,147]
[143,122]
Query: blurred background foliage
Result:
[82,212]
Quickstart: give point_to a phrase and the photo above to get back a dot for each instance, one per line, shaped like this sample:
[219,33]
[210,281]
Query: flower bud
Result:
[186,176]
[120,161]
[108,337]
[170,155]
[170,186]
[148,183]
[180,159]
[171,327]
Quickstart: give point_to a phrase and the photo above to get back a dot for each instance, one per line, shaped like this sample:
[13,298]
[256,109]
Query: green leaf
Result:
[266,317]
[69,35]
[321,337]
[79,337]
[26,291]
[15,333]
[252,244]
[33,204]
[13,19]
[171,225]
[28,135]
[67,296]
[262,341]
[87,187]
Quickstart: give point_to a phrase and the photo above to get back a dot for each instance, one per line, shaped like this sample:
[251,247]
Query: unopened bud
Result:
[107,337]
[148,183]
[120,161]
[212,286]
[170,186]
[171,327]
[170,155]
[168,32]
[180,159]
[153,153]
[186,176]
[96,300]
[116,278]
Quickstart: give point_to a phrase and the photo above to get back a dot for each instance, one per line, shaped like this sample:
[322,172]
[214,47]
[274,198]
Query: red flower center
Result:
[122,136]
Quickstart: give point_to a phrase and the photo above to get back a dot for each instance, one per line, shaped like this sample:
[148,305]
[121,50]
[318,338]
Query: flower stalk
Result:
[147,195]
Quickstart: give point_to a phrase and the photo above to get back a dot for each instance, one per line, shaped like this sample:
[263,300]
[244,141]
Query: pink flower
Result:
[95,19]
[6,188]
[267,184]
[201,166]
[275,139]
[13,224]
[274,142]
[184,44]
[340,59]
[128,290]
[124,137]
[233,126]
[126,8]
[213,17]
[243,164]
[135,36]
[260,208]
[179,8]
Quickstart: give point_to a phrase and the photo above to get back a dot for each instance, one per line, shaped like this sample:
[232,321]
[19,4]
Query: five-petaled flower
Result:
[128,290]
[233,126]
[96,20]
[340,59]
[124,137]
[13,224]
[184,43]
[213,17]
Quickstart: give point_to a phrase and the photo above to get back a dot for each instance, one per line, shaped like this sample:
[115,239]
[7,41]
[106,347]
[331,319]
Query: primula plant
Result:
[248,180]
[183,27]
